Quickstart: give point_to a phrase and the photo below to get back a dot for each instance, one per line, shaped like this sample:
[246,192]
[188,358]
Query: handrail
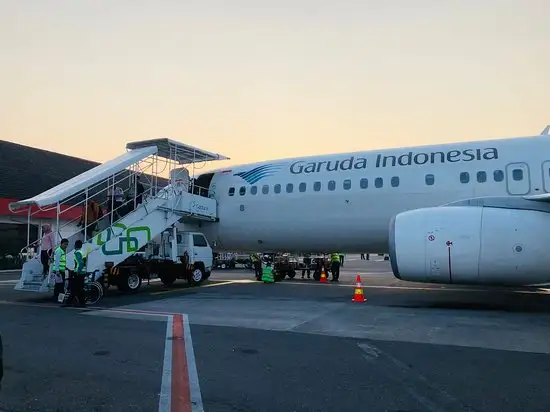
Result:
[113,177]
[129,174]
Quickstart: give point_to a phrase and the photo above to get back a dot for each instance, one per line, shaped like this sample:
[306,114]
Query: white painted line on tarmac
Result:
[166,384]
[194,385]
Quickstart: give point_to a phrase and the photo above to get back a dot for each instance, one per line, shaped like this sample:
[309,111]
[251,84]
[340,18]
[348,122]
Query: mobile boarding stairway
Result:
[120,234]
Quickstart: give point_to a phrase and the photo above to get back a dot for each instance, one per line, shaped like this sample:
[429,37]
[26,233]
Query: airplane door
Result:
[518,180]
[546,175]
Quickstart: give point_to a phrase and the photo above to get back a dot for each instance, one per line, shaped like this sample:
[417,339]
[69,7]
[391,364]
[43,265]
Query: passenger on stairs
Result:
[139,191]
[119,200]
[46,246]
[89,219]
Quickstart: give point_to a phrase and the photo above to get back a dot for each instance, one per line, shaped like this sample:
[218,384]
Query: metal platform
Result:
[179,152]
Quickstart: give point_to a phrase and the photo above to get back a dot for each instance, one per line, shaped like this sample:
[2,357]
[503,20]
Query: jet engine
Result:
[471,245]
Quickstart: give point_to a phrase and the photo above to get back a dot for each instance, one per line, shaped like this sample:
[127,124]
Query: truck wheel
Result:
[129,282]
[197,276]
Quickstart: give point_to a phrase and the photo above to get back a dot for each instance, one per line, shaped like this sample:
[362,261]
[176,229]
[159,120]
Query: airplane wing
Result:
[543,197]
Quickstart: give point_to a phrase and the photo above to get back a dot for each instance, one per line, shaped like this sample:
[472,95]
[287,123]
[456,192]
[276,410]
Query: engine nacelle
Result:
[471,245]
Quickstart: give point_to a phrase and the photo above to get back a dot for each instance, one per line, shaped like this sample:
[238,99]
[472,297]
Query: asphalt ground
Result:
[290,346]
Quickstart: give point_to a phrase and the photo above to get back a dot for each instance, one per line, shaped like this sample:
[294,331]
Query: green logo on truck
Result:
[128,238]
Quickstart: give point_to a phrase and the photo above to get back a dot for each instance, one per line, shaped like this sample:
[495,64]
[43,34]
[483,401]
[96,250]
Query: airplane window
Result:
[517,174]
[347,184]
[364,183]
[429,179]
[464,177]
[317,186]
[481,177]
[395,181]
[289,187]
[498,175]
[265,189]
[254,190]
[277,188]
[378,182]
[231,191]
[331,185]
[302,187]
[242,191]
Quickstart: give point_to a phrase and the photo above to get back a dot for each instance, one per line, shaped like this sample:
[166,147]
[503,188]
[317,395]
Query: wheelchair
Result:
[93,290]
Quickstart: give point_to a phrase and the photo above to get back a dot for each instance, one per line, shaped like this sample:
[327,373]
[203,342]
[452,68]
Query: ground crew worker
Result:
[335,266]
[77,277]
[59,267]
[307,266]
[341,259]
[267,274]
[256,261]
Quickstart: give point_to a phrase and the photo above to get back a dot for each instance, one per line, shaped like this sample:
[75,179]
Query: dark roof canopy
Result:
[26,171]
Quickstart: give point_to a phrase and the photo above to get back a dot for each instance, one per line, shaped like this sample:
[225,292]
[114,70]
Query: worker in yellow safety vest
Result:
[335,266]
[267,274]
[341,259]
[77,276]
[257,263]
[58,268]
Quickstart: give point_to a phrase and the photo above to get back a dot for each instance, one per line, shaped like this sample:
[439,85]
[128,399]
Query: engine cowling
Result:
[471,245]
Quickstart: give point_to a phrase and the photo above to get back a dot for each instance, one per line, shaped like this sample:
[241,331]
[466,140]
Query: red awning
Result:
[71,214]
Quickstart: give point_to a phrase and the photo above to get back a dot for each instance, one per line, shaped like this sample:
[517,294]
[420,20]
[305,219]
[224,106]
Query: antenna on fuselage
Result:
[546,131]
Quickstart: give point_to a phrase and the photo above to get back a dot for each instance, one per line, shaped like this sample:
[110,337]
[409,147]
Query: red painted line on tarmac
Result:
[181,391]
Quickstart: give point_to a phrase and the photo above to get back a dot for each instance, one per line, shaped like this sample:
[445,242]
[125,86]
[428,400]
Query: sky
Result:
[268,79]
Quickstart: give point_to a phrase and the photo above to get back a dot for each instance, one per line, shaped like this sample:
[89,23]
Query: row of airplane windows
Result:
[429,179]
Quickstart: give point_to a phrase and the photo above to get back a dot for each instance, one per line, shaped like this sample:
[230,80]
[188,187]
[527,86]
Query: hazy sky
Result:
[264,79]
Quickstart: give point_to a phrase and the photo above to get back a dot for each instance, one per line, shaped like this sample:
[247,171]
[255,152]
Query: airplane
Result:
[463,213]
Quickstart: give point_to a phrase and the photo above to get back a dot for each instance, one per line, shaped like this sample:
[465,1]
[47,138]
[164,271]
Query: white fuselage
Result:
[332,207]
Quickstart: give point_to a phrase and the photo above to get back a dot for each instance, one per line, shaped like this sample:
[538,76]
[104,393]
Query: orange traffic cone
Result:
[358,294]
[323,276]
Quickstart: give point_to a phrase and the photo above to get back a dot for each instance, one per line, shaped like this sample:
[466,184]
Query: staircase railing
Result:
[92,193]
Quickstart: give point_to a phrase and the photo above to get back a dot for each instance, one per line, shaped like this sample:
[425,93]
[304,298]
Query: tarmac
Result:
[234,344]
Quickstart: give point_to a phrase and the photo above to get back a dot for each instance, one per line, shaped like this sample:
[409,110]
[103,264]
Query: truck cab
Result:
[197,247]
[187,255]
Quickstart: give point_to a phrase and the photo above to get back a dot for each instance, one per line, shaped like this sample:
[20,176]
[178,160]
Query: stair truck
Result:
[136,239]
[176,255]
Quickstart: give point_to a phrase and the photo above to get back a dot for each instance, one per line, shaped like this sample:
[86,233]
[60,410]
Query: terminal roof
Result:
[180,152]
